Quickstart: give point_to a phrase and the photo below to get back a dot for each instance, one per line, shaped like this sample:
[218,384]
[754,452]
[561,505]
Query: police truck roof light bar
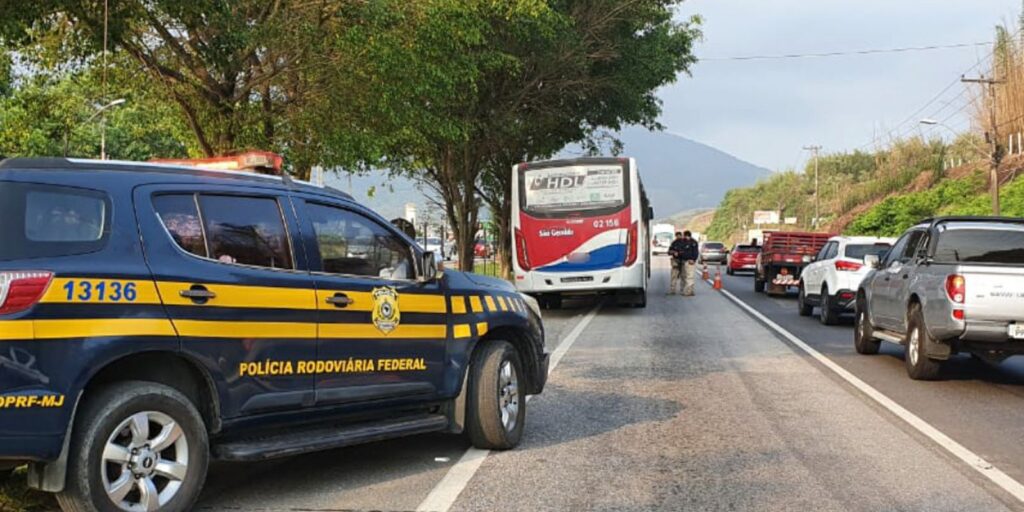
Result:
[263,162]
[22,289]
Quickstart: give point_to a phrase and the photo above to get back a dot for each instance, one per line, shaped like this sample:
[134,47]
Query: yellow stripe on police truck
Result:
[458,304]
[102,327]
[235,296]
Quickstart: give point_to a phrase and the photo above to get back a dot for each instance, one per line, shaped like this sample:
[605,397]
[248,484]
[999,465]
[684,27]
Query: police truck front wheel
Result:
[135,446]
[496,405]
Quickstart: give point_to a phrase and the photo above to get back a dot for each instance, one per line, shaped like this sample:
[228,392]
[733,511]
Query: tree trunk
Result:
[502,213]
[455,180]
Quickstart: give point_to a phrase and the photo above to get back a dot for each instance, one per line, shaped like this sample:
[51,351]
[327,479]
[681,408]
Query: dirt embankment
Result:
[1009,169]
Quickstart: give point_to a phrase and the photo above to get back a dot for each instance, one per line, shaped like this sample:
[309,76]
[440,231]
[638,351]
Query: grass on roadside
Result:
[15,496]
[488,268]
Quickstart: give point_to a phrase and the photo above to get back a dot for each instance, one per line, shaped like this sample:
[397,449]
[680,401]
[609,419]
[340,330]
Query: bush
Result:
[895,214]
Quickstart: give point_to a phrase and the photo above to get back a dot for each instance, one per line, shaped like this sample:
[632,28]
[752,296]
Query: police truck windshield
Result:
[551,191]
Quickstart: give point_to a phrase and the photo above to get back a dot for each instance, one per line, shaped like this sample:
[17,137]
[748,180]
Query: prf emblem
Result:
[385,309]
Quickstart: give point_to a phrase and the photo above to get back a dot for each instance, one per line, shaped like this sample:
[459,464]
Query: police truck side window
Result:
[180,216]
[352,244]
[245,230]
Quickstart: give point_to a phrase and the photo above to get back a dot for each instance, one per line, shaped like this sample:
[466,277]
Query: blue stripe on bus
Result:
[605,258]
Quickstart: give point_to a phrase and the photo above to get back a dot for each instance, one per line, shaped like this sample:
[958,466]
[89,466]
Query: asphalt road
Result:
[689,404]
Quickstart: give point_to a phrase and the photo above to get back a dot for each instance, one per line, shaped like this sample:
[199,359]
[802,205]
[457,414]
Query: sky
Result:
[765,111]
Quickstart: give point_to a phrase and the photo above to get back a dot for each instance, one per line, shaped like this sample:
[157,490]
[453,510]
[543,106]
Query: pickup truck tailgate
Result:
[994,293]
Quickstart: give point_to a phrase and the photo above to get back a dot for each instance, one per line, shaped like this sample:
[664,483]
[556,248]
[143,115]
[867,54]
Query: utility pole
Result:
[992,135]
[814,151]
[103,119]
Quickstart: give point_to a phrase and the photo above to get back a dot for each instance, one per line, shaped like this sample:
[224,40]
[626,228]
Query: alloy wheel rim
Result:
[913,346]
[860,325]
[508,395]
[144,462]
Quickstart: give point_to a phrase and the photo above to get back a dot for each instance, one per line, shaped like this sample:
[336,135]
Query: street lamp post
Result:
[993,172]
[103,125]
[102,128]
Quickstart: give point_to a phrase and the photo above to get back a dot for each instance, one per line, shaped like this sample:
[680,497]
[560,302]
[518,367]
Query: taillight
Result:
[847,266]
[956,288]
[21,290]
[524,262]
[631,243]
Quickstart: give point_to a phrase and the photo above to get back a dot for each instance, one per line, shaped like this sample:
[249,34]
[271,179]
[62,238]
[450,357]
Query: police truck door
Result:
[235,289]
[382,334]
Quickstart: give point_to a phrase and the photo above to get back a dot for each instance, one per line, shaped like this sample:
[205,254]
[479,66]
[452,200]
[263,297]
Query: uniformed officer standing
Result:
[684,252]
[676,278]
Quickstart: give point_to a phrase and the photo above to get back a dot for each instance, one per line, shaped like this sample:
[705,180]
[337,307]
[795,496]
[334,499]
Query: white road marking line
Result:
[997,476]
[444,494]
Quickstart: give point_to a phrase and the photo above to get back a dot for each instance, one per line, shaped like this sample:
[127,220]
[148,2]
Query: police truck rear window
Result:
[42,221]
[229,229]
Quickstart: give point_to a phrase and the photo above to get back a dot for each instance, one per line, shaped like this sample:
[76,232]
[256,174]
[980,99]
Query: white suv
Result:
[830,282]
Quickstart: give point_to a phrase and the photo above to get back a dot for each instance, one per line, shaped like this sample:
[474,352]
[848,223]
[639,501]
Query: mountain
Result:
[679,174]
[682,174]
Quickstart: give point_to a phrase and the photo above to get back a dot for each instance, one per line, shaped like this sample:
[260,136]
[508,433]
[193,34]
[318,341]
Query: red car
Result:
[741,258]
[482,249]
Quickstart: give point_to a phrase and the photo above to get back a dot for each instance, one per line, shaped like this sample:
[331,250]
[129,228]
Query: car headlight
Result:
[532,303]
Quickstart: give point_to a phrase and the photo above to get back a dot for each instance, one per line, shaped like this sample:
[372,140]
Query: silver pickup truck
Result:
[948,285]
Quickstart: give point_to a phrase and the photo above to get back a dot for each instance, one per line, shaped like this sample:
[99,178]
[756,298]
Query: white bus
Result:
[581,226]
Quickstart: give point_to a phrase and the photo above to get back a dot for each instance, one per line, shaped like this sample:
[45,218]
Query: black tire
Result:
[803,308]
[484,424]
[758,284]
[641,299]
[864,341]
[103,411]
[919,365]
[827,314]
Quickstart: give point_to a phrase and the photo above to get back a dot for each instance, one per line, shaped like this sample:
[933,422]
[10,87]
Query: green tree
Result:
[52,114]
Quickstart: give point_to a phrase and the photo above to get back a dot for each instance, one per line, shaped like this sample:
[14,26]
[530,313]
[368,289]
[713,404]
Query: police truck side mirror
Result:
[429,268]
[872,261]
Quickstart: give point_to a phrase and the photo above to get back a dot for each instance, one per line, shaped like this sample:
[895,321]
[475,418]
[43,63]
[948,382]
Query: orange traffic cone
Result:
[704,273]
[718,279]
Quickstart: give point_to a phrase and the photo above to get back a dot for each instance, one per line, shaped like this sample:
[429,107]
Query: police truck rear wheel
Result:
[135,446]
[496,405]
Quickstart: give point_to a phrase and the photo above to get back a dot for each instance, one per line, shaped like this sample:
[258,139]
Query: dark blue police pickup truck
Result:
[153,317]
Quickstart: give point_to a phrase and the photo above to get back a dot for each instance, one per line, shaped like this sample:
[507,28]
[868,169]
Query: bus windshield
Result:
[595,189]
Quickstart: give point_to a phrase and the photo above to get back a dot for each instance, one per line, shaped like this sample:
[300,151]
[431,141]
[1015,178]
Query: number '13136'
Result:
[102,291]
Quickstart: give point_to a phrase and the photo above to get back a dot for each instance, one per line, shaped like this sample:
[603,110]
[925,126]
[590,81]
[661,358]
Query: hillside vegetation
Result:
[847,182]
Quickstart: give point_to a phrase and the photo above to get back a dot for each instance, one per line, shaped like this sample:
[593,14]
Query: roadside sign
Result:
[766,217]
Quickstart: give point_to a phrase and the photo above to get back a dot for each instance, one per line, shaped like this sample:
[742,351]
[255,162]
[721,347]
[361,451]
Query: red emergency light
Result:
[262,162]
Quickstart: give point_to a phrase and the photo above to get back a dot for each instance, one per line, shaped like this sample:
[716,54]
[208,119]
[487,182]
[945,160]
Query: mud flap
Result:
[936,349]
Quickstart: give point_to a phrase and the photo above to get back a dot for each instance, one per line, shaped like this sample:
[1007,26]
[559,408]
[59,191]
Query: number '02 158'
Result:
[101,291]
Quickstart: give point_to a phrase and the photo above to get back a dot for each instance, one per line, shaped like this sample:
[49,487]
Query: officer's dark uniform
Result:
[684,251]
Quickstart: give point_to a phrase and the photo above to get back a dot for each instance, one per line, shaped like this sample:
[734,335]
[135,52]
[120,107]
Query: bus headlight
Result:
[532,303]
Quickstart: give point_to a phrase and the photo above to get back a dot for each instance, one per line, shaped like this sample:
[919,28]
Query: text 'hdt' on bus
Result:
[581,226]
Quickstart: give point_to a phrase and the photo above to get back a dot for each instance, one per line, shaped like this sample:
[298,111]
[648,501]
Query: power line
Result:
[897,129]
[845,53]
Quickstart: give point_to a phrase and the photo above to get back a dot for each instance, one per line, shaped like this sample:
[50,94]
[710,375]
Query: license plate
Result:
[1016,331]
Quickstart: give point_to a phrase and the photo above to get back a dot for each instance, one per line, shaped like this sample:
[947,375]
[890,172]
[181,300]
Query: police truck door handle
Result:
[339,300]
[198,293]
